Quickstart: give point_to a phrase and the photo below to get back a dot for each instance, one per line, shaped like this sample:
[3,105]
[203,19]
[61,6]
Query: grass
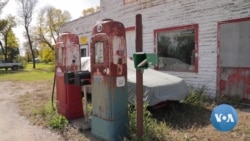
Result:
[42,72]
[27,76]
[153,129]
[187,121]
[42,66]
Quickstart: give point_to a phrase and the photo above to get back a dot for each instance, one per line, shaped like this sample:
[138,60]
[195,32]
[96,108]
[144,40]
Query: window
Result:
[129,1]
[83,52]
[176,48]
[234,43]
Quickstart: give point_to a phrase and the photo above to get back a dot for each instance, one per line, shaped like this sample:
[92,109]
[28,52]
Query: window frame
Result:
[177,28]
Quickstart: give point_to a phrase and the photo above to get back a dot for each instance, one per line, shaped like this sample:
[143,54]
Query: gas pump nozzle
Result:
[69,77]
[82,78]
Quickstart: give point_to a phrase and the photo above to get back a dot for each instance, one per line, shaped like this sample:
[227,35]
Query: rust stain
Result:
[235,81]
[223,85]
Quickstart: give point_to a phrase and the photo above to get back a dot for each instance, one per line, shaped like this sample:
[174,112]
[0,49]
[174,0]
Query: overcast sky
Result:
[75,7]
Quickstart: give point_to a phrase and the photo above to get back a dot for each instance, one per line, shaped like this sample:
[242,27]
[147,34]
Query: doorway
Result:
[234,58]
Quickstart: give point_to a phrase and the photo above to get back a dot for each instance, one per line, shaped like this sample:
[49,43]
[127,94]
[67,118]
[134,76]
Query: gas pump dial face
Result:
[99,53]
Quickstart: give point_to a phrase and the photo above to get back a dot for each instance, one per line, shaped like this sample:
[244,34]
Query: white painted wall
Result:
[130,41]
[82,26]
[158,14]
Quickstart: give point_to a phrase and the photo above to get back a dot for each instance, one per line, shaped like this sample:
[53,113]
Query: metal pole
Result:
[139,77]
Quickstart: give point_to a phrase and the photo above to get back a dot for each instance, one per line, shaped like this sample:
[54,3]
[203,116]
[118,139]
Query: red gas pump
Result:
[68,95]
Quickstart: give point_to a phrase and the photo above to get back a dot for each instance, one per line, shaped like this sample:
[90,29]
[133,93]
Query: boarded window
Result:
[176,49]
[235,44]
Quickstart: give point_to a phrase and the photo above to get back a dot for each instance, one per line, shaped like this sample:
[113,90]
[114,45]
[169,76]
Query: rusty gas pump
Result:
[109,80]
[68,95]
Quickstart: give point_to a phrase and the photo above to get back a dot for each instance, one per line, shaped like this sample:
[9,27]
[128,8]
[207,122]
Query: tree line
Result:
[40,38]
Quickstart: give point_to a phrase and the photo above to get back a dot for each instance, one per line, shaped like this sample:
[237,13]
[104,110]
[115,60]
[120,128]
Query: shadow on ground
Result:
[182,116]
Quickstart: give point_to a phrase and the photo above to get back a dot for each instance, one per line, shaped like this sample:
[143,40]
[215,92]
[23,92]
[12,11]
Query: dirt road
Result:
[14,127]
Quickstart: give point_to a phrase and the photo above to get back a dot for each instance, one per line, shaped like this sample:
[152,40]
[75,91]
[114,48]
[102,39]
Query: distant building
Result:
[205,42]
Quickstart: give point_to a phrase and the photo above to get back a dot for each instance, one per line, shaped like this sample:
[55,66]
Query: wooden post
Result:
[139,78]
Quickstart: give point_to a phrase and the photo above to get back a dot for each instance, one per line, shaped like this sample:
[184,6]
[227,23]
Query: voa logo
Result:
[224,118]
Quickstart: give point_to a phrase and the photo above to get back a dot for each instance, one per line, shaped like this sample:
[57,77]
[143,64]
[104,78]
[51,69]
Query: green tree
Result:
[2,24]
[10,46]
[26,8]
[47,54]
[90,10]
[50,20]
[28,54]
[12,40]
[46,32]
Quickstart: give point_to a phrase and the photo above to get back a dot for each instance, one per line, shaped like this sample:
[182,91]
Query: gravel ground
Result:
[14,127]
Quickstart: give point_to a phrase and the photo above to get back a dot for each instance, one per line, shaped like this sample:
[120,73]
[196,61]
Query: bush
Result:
[58,121]
[152,129]
[51,117]
[196,97]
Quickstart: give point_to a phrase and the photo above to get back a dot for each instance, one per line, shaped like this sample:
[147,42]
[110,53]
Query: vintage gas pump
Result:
[68,95]
[109,80]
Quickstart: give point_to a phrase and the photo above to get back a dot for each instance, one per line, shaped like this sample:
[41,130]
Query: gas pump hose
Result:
[53,91]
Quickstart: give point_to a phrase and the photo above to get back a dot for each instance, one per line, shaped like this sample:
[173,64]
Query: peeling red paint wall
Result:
[235,81]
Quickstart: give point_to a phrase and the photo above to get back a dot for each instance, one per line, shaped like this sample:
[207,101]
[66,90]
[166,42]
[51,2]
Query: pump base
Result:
[114,130]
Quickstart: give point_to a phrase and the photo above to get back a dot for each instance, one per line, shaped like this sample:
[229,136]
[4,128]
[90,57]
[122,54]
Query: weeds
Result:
[44,110]
[196,97]
[50,117]
[152,129]
[158,123]
[58,121]
[234,100]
